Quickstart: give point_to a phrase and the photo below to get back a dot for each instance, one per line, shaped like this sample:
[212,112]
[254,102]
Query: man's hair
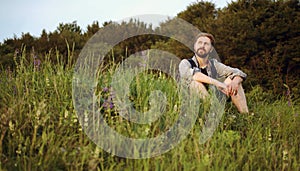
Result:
[210,36]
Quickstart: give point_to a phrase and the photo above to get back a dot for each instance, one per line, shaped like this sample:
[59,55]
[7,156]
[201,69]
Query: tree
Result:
[260,36]
[200,15]
[91,30]
[67,40]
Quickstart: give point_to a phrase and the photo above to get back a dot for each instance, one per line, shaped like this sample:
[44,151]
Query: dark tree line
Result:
[259,36]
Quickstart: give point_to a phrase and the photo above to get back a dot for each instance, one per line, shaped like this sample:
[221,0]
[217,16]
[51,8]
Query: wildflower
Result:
[270,136]
[175,107]
[289,102]
[147,130]
[18,151]
[38,113]
[112,95]
[111,105]
[142,64]
[105,89]
[75,120]
[11,126]
[285,155]
[105,105]
[66,114]
[47,82]
[36,62]
[97,152]
[17,52]
[288,94]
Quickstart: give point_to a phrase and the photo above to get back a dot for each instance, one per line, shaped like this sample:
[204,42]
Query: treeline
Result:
[259,36]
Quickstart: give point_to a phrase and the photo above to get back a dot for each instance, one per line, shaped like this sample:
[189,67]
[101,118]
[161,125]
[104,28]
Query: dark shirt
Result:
[204,71]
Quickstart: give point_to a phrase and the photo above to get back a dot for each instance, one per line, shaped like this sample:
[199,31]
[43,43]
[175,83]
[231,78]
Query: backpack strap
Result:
[213,69]
[193,64]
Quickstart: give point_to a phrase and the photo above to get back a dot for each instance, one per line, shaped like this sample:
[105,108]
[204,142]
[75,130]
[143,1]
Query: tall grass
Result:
[39,128]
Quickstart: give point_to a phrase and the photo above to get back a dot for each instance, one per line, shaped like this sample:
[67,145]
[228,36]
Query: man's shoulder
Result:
[213,59]
[189,61]
[186,63]
[186,60]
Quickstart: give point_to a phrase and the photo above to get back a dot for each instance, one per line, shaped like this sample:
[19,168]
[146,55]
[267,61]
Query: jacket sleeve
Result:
[185,70]
[227,71]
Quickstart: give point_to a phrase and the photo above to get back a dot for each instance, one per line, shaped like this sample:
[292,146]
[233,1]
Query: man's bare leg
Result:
[199,88]
[239,100]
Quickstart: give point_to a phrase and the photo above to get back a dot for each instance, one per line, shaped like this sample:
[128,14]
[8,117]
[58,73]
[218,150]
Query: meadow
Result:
[40,130]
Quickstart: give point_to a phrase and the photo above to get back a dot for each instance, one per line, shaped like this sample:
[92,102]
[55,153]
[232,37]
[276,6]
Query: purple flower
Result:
[105,105]
[37,62]
[112,94]
[105,89]
[108,104]
[288,92]
[111,105]
[142,64]
[289,102]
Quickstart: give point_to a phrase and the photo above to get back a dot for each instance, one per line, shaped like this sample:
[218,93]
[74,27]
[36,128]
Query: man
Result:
[201,71]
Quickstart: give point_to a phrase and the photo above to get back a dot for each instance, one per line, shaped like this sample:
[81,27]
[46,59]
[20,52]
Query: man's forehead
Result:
[203,39]
[205,35]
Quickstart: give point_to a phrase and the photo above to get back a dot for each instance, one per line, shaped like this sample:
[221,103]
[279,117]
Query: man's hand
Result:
[221,86]
[234,85]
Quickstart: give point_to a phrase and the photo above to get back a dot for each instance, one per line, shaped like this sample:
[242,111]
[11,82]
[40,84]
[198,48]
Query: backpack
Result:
[192,62]
[213,69]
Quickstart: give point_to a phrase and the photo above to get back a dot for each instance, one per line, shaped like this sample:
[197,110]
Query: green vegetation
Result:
[40,130]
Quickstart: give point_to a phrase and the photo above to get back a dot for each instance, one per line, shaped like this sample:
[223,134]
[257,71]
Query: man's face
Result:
[202,46]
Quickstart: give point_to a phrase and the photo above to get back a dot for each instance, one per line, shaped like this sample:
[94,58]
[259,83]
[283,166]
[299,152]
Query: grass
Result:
[39,128]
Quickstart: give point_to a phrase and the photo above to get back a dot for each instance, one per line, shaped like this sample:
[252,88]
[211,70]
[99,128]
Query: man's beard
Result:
[201,55]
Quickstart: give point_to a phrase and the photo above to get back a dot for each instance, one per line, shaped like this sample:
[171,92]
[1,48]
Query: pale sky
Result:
[22,16]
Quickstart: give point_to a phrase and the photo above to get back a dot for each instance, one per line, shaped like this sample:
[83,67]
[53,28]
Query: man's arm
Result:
[237,80]
[200,77]
[189,74]
[227,71]
[185,69]
[237,76]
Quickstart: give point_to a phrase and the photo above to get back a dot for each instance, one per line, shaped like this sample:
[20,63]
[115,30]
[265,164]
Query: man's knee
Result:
[199,88]
[240,98]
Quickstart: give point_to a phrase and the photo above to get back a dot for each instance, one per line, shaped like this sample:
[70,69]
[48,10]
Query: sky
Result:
[32,16]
